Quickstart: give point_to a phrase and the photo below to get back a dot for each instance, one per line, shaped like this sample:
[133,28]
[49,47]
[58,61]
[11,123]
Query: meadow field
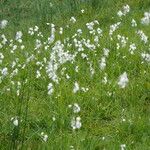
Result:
[75,75]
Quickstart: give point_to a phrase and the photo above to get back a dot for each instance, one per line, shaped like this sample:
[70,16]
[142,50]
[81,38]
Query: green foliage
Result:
[103,108]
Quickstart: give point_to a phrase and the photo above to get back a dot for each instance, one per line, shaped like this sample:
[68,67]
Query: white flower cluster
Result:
[122,146]
[44,136]
[4,71]
[75,121]
[132,48]
[3,24]
[73,19]
[142,35]
[133,23]
[75,107]
[146,19]
[38,44]
[124,11]
[19,36]
[123,80]
[32,30]
[4,40]
[102,63]
[52,37]
[113,28]
[146,57]
[1,58]
[90,25]
[123,40]
[76,87]
[15,121]
[50,89]
[58,57]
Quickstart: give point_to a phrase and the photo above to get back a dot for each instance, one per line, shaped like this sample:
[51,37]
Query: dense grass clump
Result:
[75,74]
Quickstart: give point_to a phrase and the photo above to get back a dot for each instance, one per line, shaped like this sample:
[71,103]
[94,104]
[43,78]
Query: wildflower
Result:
[4,41]
[1,57]
[50,89]
[123,40]
[146,56]
[76,87]
[132,48]
[76,123]
[122,146]
[92,71]
[51,5]
[79,31]
[36,28]
[146,19]
[77,68]
[38,74]
[120,13]
[133,23]
[106,51]
[113,28]
[142,36]
[102,64]
[61,30]
[73,19]
[123,80]
[105,79]
[22,47]
[18,35]
[31,31]
[38,44]
[4,71]
[126,9]
[84,89]
[90,25]
[3,24]
[53,118]
[15,121]
[44,137]
[82,11]
[76,108]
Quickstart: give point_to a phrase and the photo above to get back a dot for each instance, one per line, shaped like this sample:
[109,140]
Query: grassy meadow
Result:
[74,75]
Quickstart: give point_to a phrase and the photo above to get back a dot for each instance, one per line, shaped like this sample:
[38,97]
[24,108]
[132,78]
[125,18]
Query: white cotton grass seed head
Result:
[122,146]
[124,11]
[4,71]
[133,23]
[44,136]
[50,89]
[15,121]
[76,87]
[18,35]
[76,108]
[3,24]
[82,11]
[73,19]
[132,48]
[146,57]
[76,123]
[120,13]
[142,35]
[146,19]
[123,80]
[102,63]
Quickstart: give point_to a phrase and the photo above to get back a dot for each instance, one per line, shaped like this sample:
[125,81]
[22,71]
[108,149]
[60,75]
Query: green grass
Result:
[101,115]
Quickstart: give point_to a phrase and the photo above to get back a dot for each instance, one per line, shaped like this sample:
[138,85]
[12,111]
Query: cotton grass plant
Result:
[79,81]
